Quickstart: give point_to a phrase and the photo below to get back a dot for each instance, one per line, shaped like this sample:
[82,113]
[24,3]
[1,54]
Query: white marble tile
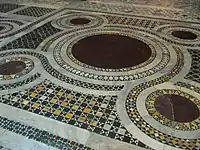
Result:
[14,141]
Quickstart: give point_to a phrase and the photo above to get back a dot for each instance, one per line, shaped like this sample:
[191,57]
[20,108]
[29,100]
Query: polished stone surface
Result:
[177,108]
[99,74]
[80,21]
[111,51]
[12,67]
[184,35]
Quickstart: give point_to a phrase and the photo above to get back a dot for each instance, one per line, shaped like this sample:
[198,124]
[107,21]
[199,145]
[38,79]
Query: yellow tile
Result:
[60,93]
[7,77]
[75,107]
[133,112]
[40,88]
[25,102]
[64,104]
[86,110]
[46,108]
[69,96]
[81,99]
[151,132]
[92,102]
[93,123]
[53,100]
[81,119]
[174,142]
[33,95]
[36,105]
[162,137]
[69,115]
[57,112]
[155,113]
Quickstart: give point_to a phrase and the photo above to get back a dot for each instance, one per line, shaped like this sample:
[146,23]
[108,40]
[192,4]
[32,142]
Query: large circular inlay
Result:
[80,21]
[12,67]
[184,35]
[111,51]
[176,108]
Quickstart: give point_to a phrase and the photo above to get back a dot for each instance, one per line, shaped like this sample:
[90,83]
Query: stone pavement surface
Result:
[99,74]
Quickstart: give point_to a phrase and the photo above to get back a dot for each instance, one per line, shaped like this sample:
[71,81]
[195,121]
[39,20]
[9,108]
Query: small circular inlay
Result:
[186,35]
[80,21]
[176,108]
[111,51]
[12,67]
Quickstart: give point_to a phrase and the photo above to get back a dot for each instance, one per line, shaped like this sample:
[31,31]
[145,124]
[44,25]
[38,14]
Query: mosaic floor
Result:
[100,75]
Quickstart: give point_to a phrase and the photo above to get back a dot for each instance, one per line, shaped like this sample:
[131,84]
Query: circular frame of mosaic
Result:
[9,26]
[29,66]
[62,77]
[139,122]
[185,126]
[64,22]
[169,29]
[65,59]
[138,37]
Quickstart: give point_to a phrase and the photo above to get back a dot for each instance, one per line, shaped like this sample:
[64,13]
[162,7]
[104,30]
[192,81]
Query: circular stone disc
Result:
[184,35]
[80,21]
[12,67]
[176,108]
[111,51]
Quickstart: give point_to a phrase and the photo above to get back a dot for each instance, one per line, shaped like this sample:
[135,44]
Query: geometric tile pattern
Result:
[6,7]
[136,118]
[97,112]
[113,8]
[94,113]
[34,11]
[132,76]
[40,135]
[15,21]
[188,86]
[32,39]
[134,21]
[170,3]
[47,66]
[191,144]
[31,24]
[20,83]
[194,73]
[150,106]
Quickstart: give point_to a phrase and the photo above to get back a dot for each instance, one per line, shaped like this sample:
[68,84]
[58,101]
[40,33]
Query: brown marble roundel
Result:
[80,21]
[111,51]
[12,67]
[186,35]
[177,108]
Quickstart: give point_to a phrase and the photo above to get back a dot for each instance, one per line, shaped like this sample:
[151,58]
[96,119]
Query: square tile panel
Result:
[34,11]
[93,113]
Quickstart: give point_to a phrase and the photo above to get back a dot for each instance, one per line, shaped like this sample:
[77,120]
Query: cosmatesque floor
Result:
[100,75]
